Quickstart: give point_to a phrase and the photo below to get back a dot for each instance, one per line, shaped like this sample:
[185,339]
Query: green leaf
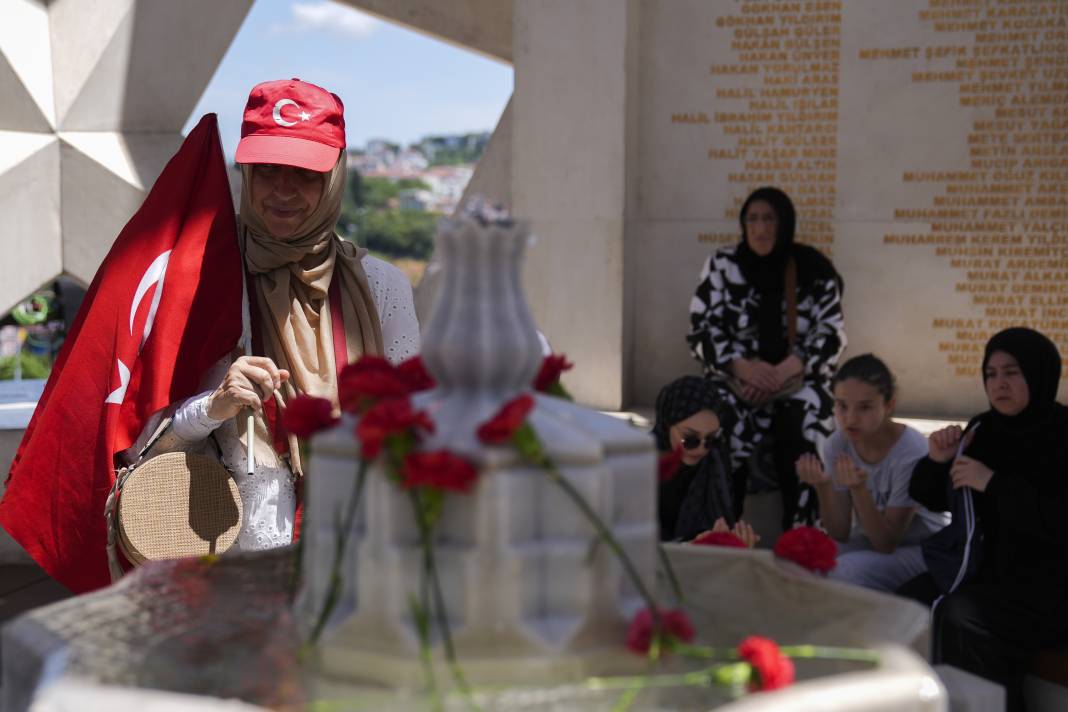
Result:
[432,501]
[557,390]
[734,675]
[527,443]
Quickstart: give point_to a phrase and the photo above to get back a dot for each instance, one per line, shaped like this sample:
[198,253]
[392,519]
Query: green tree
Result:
[412,184]
[377,192]
[355,189]
[398,233]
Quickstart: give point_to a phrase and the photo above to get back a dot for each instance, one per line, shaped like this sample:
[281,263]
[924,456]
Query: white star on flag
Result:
[304,116]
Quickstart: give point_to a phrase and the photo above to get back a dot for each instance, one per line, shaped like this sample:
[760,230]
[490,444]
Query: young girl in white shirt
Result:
[863,481]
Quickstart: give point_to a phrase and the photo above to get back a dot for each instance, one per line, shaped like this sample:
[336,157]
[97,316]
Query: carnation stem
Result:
[298,563]
[702,678]
[829,652]
[422,627]
[430,573]
[608,537]
[821,652]
[334,590]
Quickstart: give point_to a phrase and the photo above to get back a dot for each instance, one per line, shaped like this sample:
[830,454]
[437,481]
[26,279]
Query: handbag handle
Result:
[161,430]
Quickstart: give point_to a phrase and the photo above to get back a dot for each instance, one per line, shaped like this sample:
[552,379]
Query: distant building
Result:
[447,183]
[416,199]
[384,159]
[462,148]
[412,159]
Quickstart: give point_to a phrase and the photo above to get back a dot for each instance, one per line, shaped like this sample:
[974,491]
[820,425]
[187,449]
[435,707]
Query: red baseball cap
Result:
[293,123]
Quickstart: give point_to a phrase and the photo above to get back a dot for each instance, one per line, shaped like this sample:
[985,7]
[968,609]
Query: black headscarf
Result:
[699,494]
[1033,439]
[1024,544]
[767,274]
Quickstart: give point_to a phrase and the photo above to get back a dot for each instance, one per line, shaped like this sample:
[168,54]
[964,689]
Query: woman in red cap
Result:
[302,281]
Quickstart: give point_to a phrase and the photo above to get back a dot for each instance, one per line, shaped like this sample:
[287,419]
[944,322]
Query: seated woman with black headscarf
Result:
[694,420]
[766,319]
[999,567]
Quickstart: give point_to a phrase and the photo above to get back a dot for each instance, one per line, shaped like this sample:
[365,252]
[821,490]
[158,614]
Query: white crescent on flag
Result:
[119,393]
[153,276]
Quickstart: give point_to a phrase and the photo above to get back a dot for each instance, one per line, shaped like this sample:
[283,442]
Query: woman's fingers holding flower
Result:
[720,525]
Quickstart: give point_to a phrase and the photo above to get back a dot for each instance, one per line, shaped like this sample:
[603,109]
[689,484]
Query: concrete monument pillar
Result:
[573,128]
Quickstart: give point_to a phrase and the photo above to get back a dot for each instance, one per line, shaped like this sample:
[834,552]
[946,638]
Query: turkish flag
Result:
[164,306]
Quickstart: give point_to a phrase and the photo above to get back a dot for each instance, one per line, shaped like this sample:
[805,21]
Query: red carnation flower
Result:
[773,669]
[668,465]
[306,415]
[389,417]
[368,380]
[719,539]
[550,371]
[677,626]
[502,426]
[413,372]
[809,547]
[438,470]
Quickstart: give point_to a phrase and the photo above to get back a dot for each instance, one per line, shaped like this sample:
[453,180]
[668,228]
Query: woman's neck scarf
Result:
[290,280]
[707,491]
[767,274]
[1033,439]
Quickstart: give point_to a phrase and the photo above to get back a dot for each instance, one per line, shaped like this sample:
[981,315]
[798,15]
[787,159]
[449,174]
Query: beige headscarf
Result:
[290,280]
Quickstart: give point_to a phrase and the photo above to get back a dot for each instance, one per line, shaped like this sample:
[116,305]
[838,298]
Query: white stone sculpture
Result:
[531,593]
[95,97]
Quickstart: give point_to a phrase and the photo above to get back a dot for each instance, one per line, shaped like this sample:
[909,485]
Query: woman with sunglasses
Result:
[694,420]
[766,319]
[863,481]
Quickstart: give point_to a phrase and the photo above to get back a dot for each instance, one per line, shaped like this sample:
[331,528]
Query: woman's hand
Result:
[969,472]
[847,474]
[741,530]
[757,373]
[753,394]
[745,532]
[789,367]
[810,470]
[249,381]
[943,444]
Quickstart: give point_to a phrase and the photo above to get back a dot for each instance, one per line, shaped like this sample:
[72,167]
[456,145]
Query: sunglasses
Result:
[692,442]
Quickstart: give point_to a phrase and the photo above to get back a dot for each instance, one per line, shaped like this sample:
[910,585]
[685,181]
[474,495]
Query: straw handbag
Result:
[170,506]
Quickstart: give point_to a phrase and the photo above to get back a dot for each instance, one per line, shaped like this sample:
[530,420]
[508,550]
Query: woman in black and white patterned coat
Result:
[740,333]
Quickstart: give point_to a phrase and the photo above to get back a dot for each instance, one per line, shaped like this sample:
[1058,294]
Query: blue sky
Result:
[396,83]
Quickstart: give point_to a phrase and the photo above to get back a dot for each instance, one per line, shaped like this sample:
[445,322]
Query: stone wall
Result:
[925,145]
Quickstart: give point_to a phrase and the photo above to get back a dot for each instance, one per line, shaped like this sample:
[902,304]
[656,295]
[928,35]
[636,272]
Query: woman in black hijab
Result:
[767,319]
[1001,564]
[694,420]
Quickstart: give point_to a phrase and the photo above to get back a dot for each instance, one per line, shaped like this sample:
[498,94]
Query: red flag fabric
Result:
[164,306]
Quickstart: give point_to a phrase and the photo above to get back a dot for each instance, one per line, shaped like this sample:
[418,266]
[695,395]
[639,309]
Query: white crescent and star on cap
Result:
[278,119]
